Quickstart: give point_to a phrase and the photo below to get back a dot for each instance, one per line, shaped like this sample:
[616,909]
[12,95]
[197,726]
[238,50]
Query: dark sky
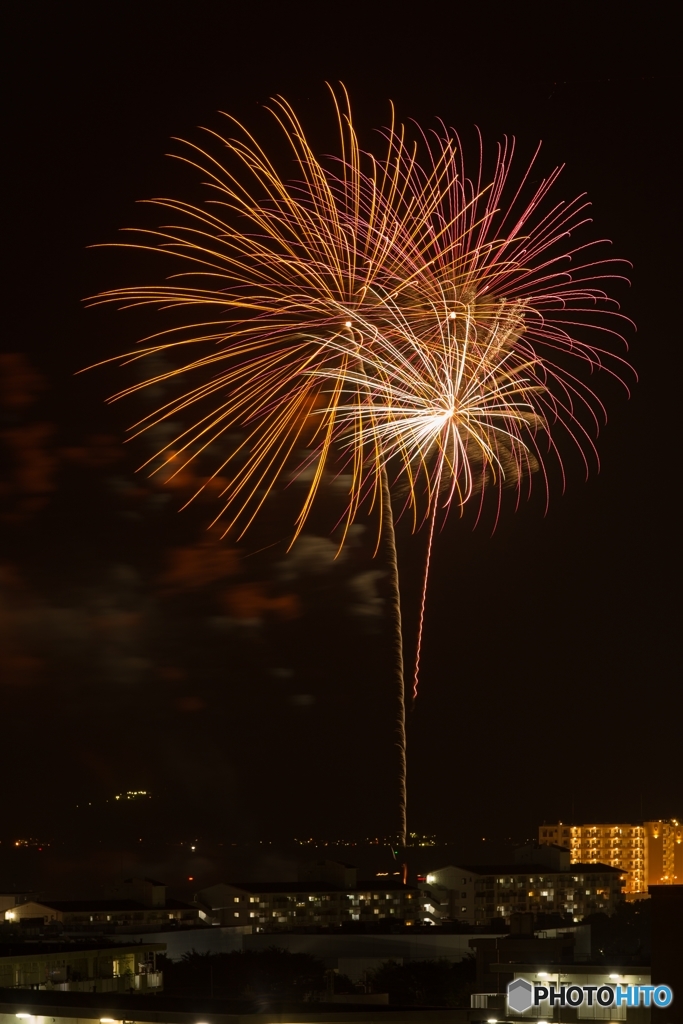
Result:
[249,691]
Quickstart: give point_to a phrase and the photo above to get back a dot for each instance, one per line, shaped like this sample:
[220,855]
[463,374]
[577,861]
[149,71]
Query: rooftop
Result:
[42,950]
[540,869]
[374,884]
[103,905]
[150,1009]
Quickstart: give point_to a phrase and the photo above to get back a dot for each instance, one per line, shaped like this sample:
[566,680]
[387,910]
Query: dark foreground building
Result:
[68,1008]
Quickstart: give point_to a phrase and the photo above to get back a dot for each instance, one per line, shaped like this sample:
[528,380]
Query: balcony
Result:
[151,982]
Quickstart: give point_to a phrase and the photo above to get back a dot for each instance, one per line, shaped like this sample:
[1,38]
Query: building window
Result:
[235,899]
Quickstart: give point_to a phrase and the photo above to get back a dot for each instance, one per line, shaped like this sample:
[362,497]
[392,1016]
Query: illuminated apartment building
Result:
[326,895]
[648,854]
[273,906]
[539,880]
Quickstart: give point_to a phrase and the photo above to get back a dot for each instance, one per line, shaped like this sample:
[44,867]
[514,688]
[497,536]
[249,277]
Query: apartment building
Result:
[327,894]
[541,880]
[138,904]
[281,906]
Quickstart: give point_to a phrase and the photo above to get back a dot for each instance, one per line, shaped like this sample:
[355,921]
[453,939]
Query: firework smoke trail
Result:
[383,312]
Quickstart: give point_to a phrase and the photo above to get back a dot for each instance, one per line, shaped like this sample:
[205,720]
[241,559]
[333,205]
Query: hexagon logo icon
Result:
[520,995]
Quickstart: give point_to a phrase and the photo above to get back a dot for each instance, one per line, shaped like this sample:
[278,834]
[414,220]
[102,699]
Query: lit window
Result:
[235,899]
[236,914]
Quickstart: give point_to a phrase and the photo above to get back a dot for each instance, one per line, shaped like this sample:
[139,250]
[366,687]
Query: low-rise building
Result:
[539,881]
[75,968]
[275,906]
[492,1004]
[10,899]
[139,904]
[327,894]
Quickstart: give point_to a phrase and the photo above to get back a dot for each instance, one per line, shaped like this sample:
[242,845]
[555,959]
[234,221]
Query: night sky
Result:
[249,689]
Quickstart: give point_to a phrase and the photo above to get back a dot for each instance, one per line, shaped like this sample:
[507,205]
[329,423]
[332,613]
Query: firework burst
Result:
[390,315]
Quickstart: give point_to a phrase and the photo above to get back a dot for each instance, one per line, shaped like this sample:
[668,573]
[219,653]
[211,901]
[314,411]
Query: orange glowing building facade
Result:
[649,854]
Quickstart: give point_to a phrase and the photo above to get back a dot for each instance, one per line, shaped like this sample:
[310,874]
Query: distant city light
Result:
[133,794]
